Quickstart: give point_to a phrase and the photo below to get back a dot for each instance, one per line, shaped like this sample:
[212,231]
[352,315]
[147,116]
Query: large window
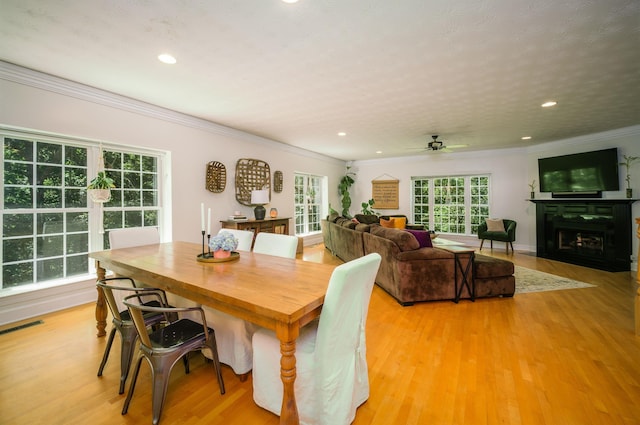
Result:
[48,224]
[134,202]
[451,204]
[309,193]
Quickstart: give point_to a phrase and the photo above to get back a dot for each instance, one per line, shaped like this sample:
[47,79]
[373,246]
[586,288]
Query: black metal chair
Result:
[163,347]
[122,323]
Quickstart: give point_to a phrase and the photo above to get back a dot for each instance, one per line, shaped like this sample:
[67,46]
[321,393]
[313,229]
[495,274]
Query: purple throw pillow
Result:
[423,237]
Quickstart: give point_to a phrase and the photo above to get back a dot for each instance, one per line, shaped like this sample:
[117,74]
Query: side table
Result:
[461,253]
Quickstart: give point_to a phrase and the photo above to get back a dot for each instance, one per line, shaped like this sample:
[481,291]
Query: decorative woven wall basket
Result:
[277,181]
[216,177]
[251,174]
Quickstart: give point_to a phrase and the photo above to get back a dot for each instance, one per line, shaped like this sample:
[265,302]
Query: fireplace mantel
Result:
[589,232]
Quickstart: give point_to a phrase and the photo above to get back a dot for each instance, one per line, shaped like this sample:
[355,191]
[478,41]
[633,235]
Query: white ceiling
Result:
[388,73]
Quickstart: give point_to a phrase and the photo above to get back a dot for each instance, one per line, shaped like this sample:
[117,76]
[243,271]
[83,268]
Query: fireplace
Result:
[589,232]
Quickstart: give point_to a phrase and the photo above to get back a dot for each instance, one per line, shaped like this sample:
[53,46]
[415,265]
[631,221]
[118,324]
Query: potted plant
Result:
[345,183]
[628,162]
[222,244]
[532,185]
[366,207]
[100,187]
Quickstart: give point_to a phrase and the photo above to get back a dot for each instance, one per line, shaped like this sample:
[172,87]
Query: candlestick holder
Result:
[209,245]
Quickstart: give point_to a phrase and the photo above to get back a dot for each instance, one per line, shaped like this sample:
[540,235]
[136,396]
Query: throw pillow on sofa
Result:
[423,237]
[394,222]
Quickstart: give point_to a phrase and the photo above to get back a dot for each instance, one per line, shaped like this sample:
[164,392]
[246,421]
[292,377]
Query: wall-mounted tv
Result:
[580,173]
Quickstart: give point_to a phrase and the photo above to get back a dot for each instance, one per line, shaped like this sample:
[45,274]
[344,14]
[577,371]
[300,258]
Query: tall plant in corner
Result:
[343,187]
[628,162]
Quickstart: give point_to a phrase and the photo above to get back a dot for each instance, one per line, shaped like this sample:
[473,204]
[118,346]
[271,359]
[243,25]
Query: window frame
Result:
[95,240]
[472,190]
[309,227]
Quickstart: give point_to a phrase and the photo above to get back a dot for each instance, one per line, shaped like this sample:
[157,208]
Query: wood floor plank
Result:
[558,357]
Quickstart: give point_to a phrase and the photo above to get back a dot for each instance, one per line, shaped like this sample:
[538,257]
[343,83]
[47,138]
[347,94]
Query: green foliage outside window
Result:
[45,216]
[451,204]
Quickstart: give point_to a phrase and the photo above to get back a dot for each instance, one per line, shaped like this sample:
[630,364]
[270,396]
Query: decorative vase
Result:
[221,253]
[629,193]
[273,213]
[533,195]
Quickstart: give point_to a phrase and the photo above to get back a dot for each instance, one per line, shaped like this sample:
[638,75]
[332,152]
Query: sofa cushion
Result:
[495,225]
[333,217]
[367,218]
[488,267]
[422,236]
[361,227]
[404,240]
[349,224]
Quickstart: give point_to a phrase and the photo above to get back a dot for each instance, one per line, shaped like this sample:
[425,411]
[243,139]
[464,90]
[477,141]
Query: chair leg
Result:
[185,360]
[511,243]
[161,373]
[105,356]
[491,244]
[129,337]
[132,386]
[481,243]
[216,362]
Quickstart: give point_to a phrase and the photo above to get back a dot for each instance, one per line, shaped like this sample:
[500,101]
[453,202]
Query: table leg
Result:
[101,306]
[287,336]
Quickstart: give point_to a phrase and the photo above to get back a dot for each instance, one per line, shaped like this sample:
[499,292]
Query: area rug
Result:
[528,280]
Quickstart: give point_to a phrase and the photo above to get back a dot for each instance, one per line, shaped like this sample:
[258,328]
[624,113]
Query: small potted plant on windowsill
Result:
[628,162]
[99,188]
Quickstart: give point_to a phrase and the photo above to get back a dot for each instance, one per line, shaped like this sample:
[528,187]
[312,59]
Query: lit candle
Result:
[202,216]
[209,221]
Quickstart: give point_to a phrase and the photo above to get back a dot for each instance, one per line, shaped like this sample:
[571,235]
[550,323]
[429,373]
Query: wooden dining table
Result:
[273,292]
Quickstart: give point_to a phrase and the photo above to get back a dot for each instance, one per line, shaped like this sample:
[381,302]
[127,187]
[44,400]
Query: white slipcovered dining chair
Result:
[233,334]
[244,237]
[133,236]
[139,236]
[276,244]
[331,365]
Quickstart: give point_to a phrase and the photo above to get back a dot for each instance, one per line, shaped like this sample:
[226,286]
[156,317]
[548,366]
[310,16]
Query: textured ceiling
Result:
[388,73]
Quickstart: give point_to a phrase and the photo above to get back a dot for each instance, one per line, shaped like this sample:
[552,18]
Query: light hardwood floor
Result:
[560,357]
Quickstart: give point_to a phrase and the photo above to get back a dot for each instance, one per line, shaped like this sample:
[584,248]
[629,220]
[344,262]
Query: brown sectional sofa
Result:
[412,274]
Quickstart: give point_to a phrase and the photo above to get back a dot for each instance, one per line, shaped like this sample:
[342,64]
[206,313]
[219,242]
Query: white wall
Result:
[34,101]
[511,172]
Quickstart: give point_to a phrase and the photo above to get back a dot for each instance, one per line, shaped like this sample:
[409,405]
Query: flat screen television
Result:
[588,173]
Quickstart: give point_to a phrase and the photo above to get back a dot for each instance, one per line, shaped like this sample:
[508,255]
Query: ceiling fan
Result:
[436,144]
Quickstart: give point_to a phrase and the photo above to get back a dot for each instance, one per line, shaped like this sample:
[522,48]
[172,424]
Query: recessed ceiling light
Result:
[549,104]
[526,137]
[290,1]
[167,58]
[378,151]
[342,133]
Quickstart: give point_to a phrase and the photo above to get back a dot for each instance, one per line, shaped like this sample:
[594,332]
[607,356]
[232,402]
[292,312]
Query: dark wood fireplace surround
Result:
[589,232]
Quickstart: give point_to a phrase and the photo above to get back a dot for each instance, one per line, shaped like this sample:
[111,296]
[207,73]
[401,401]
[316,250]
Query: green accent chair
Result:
[508,235]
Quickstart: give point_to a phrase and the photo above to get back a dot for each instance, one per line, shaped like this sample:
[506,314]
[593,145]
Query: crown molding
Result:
[51,83]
